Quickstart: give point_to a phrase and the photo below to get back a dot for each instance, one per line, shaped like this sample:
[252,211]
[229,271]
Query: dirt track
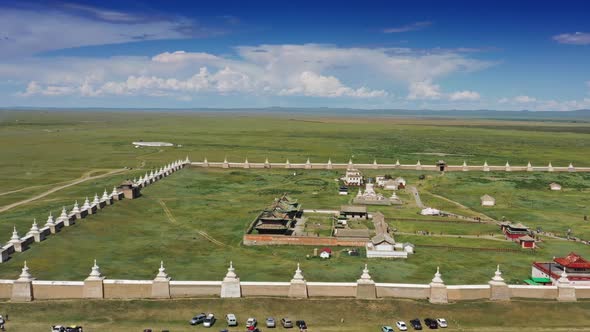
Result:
[84,178]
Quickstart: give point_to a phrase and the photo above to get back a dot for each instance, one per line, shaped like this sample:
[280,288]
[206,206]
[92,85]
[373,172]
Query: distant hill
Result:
[569,116]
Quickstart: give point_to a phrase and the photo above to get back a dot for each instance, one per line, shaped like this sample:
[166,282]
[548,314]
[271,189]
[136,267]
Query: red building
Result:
[576,267]
[527,242]
[514,231]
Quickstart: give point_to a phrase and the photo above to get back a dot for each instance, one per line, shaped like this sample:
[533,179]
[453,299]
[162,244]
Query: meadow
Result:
[319,314]
[41,150]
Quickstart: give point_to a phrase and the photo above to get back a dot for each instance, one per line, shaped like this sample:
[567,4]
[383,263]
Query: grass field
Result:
[41,150]
[320,314]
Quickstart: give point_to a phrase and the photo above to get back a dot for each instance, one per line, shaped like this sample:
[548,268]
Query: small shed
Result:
[326,253]
[430,212]
[527,242]
[487,200]
[554,186]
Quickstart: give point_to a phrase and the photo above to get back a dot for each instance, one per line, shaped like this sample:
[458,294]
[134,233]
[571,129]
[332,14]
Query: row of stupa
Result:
[440,166]
[127,189]
[232,287]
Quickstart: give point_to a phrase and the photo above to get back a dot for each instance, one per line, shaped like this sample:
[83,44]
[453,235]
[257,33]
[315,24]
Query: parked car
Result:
[198,319]
[209,320]
[301,325]
[231,320]
[286,322]
[416,324]
[386,329]
[251,322]
[270,322]
[62,328]
[431,323]
[401,326]
[441,322]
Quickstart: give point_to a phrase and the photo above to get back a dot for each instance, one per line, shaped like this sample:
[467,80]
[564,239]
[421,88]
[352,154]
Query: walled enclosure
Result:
[26,288]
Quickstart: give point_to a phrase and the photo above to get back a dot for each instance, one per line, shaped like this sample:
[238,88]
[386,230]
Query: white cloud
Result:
[408,27]
[301,70]
[312,84]
[577,38]
[31,30]
[424,90]
[524,99]
[465,95]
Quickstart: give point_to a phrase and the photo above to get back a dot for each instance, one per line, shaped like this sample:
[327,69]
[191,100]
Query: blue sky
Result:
[506,55]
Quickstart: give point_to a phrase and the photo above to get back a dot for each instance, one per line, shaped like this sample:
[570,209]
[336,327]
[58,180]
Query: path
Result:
[416,195]
[204,234]
[167,212]
[487,237]
[460,205]
[51,191]
[214,241]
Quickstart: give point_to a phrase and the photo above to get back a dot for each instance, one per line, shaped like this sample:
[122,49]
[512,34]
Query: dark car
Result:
[431,323]
[416,324]
[198,319]
[301,325]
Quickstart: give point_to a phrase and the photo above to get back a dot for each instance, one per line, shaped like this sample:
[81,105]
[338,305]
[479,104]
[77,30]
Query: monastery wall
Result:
[53,227]
[533,292]
[53,290]
[267,239]
[6,289]
[410,291]
[280,289]
[331,289]
[468,292]
[25,288]
[377,166]
[194,288]
[127,289]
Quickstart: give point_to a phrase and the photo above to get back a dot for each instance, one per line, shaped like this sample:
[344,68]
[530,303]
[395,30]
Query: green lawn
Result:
[42,149]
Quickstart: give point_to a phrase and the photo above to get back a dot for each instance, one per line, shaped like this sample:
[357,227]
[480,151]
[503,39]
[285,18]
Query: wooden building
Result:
[280,217]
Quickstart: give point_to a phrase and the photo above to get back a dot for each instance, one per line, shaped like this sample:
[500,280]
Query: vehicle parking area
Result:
[325,315]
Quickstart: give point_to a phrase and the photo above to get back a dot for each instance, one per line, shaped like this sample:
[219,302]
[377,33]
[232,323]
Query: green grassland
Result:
[129,239]
[319,314]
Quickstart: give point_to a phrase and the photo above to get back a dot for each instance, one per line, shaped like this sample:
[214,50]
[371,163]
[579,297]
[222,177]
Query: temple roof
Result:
[353,209]
[487,197]
[517,226]
[526,238]
[573,261]
[383,237]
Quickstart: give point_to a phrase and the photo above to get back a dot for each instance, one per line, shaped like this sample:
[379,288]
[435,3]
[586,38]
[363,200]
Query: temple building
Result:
[387,183]
[353,177]
[370,197]
[577,269]
[280,217]
[382,245]
[129,189]
[514,231]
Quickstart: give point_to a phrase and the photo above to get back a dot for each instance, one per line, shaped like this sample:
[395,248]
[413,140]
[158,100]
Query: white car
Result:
[231,320]
[251,322]
[209,320]
[441,322]
[401,326]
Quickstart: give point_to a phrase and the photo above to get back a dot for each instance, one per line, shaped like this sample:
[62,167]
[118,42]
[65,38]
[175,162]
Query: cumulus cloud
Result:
[424,90]
[576,38]
[295,70]
[524,99]
[312,84]
[408,27]
[465,95]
